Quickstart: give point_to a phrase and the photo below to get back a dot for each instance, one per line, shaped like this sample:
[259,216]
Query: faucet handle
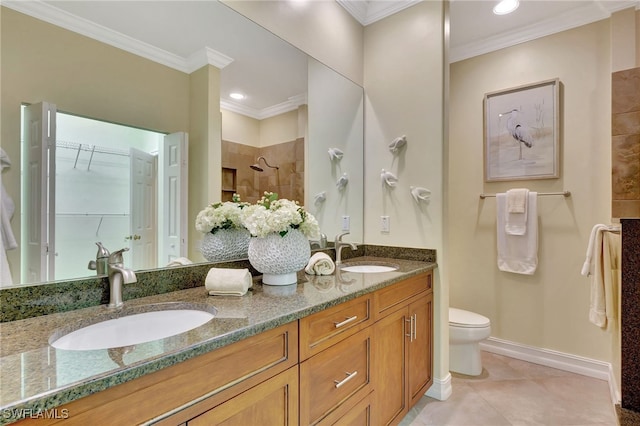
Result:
[116,256]
[102,251]
[339,236]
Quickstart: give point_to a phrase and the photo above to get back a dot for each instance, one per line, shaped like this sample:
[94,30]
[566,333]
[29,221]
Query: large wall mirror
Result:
[296,109]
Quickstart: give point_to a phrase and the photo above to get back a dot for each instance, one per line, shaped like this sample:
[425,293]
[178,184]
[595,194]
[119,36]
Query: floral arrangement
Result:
[226,215]
[272,215]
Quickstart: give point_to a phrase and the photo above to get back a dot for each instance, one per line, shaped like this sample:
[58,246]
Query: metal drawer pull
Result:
[346,321]
[346,379]
[411,326]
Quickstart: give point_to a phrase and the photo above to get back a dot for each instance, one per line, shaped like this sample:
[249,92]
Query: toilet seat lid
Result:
[462,318]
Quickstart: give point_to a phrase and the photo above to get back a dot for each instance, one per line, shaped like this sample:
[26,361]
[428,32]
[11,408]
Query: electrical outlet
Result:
[384,223]
[346,223]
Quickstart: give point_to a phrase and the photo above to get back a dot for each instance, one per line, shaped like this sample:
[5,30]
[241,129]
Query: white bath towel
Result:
[320,264]
[517,211]
[602,265]
[7,239]
[594,247]
[518,253]
[228,282]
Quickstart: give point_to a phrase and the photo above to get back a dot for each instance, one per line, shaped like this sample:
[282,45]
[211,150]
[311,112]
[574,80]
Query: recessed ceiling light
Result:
[506,6]
[237,96]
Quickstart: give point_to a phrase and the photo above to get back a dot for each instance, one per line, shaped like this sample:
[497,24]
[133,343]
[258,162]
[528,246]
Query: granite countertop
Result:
[37,377]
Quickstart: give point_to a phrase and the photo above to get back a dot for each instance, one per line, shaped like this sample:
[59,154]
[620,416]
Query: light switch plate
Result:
[384,223]
[346,223]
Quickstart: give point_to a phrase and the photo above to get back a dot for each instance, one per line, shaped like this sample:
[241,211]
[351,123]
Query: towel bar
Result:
[563,193]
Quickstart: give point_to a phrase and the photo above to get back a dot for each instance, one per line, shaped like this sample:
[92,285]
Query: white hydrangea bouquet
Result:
[225,215]
[279,246]
[272,215]
[225,237]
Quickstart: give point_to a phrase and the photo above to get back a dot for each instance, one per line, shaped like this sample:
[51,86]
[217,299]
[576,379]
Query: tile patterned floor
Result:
[518,393]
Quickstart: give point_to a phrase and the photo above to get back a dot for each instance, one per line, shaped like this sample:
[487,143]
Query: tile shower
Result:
[287,180]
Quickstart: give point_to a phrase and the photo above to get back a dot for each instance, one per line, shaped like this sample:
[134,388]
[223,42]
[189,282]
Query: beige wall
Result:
[549,309]
[240,128]
[403,81]
[280,128]
[322,29]
[205,147]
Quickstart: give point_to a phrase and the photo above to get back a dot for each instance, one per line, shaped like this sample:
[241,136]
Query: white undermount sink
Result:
[133,329]
[368,268]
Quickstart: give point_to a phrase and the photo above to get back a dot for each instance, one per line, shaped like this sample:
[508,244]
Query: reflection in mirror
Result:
[93,186]
[293,132]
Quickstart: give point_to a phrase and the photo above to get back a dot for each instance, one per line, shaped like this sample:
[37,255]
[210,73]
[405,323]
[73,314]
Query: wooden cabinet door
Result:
[273,402]
[390,365]
[420,348]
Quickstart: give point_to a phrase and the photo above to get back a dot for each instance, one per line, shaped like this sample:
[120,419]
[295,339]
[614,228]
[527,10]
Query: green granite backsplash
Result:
[28,301]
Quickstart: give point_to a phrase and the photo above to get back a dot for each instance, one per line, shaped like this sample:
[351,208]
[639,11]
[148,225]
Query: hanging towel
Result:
[7,239]
[320,264]
[593,248]
[517,253]
[517,212]
[602,265]
[228,282]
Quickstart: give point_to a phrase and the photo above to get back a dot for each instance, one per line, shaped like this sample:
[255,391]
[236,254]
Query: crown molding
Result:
[260,114]
[53,15]
[368,11]
[562,22]
[207,56]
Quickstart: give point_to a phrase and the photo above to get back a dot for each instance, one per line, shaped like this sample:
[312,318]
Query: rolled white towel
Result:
[180,261]
[228,282]
[320,264]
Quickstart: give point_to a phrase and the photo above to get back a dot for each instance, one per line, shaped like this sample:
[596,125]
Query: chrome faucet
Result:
[102,259]
[339,245]
[321,243]
[118,275]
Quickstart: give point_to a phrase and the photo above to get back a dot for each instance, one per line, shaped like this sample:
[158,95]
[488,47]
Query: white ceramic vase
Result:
[280,258]
[225,244]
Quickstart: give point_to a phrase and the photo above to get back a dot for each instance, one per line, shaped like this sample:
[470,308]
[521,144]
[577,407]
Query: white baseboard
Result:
[562,361]
[440,389]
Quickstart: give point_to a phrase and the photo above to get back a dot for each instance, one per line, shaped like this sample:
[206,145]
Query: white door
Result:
[173,195]
[143,211]
[38,200]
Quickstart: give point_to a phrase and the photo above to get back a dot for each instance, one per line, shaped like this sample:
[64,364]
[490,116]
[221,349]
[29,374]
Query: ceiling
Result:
[186,35]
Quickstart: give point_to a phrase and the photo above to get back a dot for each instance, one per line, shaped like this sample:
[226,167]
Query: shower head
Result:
[257,167]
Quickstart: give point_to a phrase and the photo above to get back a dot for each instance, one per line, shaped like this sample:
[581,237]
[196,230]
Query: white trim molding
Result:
[560,360]
[260,114]
[441,388]
[53,15]
[572,19]
[368,12]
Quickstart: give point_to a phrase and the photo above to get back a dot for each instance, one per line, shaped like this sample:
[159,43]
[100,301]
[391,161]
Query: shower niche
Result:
[229,185]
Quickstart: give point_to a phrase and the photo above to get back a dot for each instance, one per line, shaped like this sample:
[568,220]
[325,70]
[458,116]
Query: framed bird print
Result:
[521,132]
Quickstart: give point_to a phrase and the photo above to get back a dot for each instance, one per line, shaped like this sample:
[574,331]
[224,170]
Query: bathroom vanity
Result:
[352,348]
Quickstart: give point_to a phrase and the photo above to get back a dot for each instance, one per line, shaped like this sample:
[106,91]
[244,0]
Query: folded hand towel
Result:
[516,212]
[228,282]
[320,264]
[518,253]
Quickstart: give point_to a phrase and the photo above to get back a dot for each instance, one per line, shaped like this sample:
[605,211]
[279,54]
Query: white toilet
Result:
[466,330]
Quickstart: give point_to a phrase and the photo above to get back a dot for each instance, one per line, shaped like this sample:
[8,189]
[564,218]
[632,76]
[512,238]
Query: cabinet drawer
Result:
[334,376]
[397,295]
[357,414]
[323,329]
[273,403]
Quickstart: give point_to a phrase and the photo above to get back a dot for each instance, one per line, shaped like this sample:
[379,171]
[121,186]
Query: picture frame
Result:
[521,132]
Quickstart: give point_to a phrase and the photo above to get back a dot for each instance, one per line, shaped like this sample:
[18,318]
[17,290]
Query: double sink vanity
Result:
[331,349]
